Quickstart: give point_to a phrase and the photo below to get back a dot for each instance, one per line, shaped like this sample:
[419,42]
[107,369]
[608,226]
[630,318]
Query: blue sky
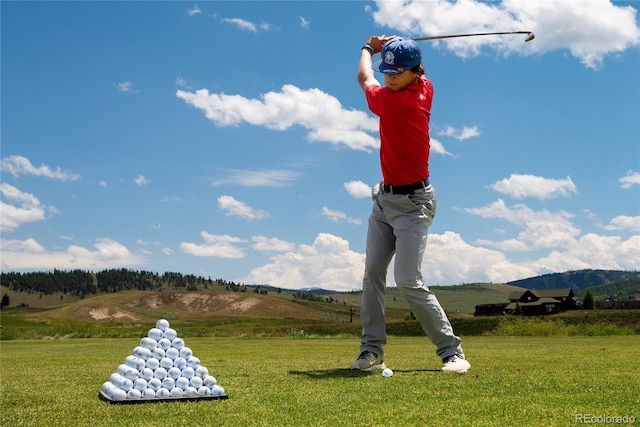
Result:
[231,139]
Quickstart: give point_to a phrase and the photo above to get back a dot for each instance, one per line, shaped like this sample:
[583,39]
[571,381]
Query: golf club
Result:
[530,35]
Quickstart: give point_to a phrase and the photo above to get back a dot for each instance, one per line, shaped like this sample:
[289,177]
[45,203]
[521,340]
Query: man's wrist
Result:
[369,48]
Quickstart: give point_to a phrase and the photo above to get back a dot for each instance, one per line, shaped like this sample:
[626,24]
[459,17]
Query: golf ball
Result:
[196,382]
[193,362]
[176,392]
[190,392]
[177,343]
[387,373]
[180,362]
[158,352]
[149,393]
[170,334]
[140,384]
[164,344]
[134,394]
[162,393]
[168,383]
[188,373]
[134,362]
[186,352]
[162,324]
[149,343]
[153,364]
[154,384]
[204,391]
[155,333]
[146,373]
[166,363]
[182,382]
[172,353]
[174,373]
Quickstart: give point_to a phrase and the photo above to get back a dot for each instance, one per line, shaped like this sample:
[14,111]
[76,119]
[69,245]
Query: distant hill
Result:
[601,282]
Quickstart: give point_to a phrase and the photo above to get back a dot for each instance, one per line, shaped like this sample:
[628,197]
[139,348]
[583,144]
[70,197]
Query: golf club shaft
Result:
[529,35]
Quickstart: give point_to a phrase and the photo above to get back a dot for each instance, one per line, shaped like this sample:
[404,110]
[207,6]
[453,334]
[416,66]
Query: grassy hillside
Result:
[577,280]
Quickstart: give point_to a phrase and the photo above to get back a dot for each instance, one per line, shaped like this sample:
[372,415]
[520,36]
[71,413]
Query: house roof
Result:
[542,293]
[512,306]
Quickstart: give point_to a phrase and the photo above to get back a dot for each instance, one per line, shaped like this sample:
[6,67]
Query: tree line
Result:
[80,283]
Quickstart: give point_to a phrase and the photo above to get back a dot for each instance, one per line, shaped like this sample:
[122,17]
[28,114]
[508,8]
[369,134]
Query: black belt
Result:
[404,189]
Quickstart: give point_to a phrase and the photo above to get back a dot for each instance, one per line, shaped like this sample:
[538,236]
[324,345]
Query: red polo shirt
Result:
[404,130]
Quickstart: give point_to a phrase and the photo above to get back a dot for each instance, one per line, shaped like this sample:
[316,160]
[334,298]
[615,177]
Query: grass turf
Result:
[514,381]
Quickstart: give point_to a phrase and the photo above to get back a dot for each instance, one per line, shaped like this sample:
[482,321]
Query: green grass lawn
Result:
[514,381]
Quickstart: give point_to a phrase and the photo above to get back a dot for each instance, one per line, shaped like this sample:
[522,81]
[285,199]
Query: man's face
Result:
[399,81]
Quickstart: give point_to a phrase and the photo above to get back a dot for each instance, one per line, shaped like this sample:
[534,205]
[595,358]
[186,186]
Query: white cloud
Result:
[304,23]
[624,222]
[141,180]
[459,134]
[195,10]
[252,178]
[218,246]
[338,216]
[358,189]
[233,207]
[261,243]
[25,208]
[328,263]
[590,30]
[630,179]
[243,24]
[320,113]
[520,186]
[29,254]
[126,87]
[437,147]
[19,165]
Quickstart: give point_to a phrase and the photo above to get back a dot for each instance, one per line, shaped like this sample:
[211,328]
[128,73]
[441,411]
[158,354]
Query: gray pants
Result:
[399,225]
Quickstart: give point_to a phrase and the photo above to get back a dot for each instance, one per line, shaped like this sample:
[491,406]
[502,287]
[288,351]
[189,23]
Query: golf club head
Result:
[530,36]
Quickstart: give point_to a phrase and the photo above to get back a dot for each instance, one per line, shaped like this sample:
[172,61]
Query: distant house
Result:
[532,303]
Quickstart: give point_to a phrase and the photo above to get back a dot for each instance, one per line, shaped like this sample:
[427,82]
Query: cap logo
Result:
[389,58]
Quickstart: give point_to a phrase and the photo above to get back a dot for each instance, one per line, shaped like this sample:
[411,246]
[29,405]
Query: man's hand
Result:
[376,42]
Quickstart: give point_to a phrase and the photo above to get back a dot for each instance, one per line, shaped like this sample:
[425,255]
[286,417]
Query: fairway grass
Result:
[514,381]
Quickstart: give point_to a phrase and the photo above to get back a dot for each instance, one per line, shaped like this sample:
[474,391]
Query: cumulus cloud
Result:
[141,180]
[328,263]
[126,87]
[194,10]
[459,134]
[233,207]
[358,189]
[521,186]
[271,244]
[304,23]
[590,31]
[19,165]
[630,179]
[320,113]
[29,254]
[19,208]
[215,245]
[624,222]
[338,216]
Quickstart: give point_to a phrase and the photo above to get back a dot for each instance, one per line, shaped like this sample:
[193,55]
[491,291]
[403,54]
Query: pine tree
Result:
[588,300]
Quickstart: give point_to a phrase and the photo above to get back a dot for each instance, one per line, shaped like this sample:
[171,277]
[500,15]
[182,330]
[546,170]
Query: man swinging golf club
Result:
[404,203]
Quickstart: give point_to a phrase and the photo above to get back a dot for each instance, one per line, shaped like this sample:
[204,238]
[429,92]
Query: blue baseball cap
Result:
[398,55]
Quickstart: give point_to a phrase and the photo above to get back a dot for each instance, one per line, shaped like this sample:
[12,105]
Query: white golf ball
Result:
[174,373]
[177,343]
[168,383]
[164,344]
[121,382]
[160,373]
[217,390]
[162,393]
[142,352]
[149,343]
[146,374]
[209,381]
[190,392]
[196,382]
[186,352]
[202,371]
[140,384]
[134,362]
[176,392]
[166,362]
[113,391]
[387,373]
[188,372]
[153,363]
[193,362]
[128,372]
[149,393]
[172,353]
[155,333]
[170,334]
[154,384]
[180,362]
[162,324]
[182,382]
[204,391]
[158,352]
[134,394]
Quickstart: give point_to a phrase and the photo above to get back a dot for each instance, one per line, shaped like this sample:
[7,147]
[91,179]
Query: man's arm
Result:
[365,73]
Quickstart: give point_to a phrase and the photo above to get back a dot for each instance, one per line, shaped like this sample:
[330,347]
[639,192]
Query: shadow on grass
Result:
[321,374]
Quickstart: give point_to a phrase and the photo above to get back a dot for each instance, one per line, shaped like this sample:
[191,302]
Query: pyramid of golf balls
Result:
[161,367]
